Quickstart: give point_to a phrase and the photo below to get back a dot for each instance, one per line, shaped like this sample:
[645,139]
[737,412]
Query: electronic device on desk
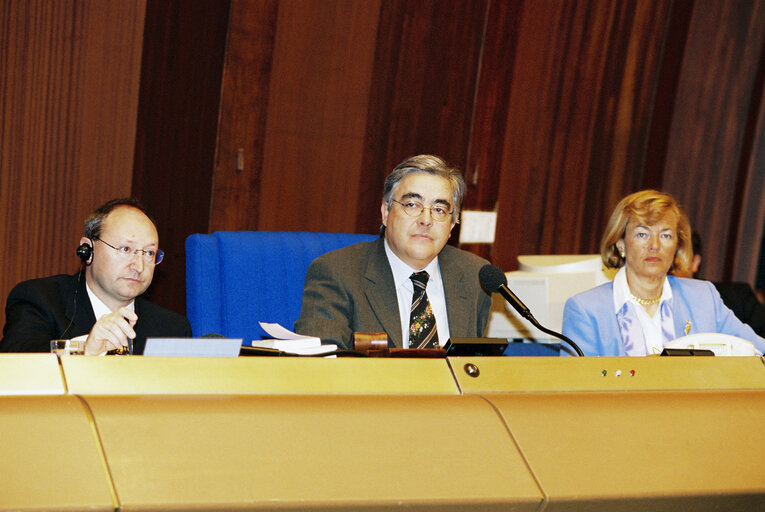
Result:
[544,283]
[475,347]
[686,352]
[531,349]
[716,343]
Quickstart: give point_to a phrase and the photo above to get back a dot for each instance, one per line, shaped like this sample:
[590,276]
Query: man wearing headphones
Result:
[102,302]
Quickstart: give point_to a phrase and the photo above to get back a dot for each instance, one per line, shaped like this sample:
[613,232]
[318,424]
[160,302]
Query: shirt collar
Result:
[402,271]
[99,308]
[622,290]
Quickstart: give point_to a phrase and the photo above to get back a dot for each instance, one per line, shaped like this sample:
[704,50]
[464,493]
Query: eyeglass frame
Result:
[423,208]
[158,256]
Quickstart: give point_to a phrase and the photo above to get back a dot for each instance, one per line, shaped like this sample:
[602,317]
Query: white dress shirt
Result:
[651,325]
[405,290]
[99,309]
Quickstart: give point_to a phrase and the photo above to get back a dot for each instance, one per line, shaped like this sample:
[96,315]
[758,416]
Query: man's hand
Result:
[111,332]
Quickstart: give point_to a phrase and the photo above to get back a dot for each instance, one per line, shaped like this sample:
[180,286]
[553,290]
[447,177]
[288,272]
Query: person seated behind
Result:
[644,308]
[372,287]
[119,252]
[739,297]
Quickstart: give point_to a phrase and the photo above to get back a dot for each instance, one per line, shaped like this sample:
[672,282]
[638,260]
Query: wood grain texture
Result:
[243,112]
[666,92]
[316,114]
[490,115]
[554,109]
[176,135]
[580,102]
[68,97]
[750,231]
[716,99]
[423,90]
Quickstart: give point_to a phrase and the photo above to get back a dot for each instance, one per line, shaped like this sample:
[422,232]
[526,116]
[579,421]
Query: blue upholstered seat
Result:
[235,279]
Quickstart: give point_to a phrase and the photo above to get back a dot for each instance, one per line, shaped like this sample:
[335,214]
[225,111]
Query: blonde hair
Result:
[647,207]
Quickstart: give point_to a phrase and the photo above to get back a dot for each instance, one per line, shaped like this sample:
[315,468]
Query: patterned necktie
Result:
[422,322]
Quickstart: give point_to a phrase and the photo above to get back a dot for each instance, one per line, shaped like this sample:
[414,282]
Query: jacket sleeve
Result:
[30,323]
[326,310]
[580,326]
[484,310]
[728,323]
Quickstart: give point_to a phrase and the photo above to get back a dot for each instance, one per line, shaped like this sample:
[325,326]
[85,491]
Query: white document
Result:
[280,333]
[290,342]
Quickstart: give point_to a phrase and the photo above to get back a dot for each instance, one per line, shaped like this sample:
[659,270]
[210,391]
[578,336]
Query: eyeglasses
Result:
[415,208]
[150,257]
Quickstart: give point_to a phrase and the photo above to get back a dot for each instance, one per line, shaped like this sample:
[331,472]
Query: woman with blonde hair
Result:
[644,308]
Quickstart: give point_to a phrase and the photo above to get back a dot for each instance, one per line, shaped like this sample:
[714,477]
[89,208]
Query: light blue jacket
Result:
[590,321]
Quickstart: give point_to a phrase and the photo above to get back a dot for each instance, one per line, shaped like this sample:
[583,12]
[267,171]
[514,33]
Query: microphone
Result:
[494,280]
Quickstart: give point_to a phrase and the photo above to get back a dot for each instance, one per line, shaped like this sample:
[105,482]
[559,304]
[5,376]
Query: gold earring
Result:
[622,254]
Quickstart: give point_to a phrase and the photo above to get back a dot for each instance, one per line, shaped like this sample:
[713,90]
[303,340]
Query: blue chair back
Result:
[235,279]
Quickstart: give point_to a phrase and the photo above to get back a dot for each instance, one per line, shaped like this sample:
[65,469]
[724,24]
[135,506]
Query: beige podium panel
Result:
[299,452]
[30,374]
[50,458]
[531,374]
[637,451]
[642,433]
[117,375]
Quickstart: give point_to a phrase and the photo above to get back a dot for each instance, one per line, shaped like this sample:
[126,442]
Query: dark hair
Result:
[96,219]
[429,164]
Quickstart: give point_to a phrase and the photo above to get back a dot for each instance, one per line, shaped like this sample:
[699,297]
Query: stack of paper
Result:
[287,341]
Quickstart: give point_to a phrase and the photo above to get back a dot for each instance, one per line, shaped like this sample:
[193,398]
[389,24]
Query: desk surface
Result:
[256,375]
[572,374]
[41,374]
[540,434]
[30,374]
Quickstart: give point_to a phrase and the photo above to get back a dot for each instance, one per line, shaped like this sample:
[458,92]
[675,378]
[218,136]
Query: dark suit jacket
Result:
[740,298]
[352,290]
[40,310]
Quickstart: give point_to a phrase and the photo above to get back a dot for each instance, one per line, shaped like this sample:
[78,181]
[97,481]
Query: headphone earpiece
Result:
[84,252]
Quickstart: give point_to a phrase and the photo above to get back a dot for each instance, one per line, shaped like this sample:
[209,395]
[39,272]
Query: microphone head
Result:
[491,278]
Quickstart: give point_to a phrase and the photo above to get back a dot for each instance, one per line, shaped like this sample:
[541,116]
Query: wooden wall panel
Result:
[69,73]
[294,101]
[554,109]
[423,90]
[317,106]
[176,135]
[490,117]
[243,108]
[750,231]
[352,88]
[706,168]
[579,105]
[490,114]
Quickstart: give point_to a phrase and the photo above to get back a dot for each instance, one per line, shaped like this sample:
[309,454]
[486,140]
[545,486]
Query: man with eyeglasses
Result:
[101,303]
[379,286]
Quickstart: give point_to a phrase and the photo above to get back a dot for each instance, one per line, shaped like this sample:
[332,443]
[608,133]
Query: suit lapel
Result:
[455,292]
[142,326]
[681,316]
[79,310]
[380,291]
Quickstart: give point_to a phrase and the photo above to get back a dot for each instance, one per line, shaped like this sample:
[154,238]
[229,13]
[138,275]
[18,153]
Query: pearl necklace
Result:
[646,302]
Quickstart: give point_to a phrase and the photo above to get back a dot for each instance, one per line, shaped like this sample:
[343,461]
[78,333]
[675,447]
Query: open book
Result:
[288,341]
